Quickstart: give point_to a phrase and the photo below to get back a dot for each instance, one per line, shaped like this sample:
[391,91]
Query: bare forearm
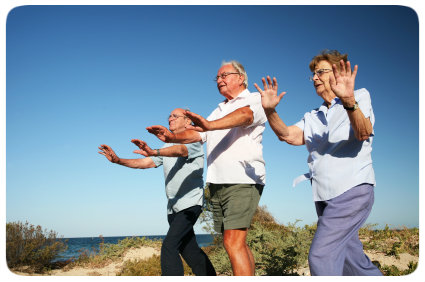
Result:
[137,163]
[362,126]
[240,117]
[174,151]
[290,134]
[186,137]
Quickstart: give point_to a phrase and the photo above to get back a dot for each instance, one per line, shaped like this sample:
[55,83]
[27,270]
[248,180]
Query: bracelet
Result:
[157,152]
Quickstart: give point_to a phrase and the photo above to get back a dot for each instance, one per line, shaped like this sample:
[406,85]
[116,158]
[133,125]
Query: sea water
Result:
[76,246]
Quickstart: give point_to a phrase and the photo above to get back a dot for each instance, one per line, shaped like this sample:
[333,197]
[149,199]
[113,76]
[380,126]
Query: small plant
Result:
[147,267]
[394,271]
[31,247]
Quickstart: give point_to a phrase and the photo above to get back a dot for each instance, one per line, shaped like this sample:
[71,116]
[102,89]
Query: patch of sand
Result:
[401,263]
[111,269]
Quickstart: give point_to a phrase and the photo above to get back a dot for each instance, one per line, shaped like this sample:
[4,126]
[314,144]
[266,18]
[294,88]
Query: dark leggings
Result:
[181,239]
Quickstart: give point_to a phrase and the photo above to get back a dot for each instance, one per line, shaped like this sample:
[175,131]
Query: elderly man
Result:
[183,169]
[338,136]
[236,172]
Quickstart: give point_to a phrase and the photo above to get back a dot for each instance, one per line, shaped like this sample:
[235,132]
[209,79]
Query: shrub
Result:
[390,241]
[394,271]
[147,267]
[277,249]
[30,246]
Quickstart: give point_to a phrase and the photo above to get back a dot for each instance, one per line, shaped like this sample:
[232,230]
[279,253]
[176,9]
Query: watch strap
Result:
[353,108]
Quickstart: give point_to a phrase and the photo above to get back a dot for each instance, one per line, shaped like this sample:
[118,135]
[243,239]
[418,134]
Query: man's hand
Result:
[200,123]
[269,97]
[108,153]
[145,150]
[343,83]
[162,133]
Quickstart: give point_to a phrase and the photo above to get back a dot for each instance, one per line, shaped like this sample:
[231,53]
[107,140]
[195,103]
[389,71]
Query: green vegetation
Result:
[148,267]
[31,248]
[392,242]
[394,271]
[278,249]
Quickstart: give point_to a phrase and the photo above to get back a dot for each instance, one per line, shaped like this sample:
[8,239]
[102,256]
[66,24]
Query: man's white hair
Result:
[239,68]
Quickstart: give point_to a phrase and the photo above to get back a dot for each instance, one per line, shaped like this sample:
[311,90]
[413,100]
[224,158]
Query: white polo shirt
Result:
[337,160]
[235,156]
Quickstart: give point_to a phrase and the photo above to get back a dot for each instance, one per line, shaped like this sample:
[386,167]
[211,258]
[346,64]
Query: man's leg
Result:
[239,253]
[190,250]
[181,239]
[234,206]
[171,264]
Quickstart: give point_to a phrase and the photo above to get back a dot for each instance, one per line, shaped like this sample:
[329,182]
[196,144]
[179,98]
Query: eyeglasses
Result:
[173,116]
[224,74]
[319,73]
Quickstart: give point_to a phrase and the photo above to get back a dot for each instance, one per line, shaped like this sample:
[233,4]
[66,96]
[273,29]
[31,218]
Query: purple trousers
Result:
[336,248]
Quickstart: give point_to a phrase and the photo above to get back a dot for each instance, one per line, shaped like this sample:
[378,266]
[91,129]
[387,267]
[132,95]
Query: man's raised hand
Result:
[161,133]
[144,149]
[200,123]
[108,153]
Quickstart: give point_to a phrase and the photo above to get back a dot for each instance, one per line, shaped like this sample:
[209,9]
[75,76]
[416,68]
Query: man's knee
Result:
[169,244]
[234,240]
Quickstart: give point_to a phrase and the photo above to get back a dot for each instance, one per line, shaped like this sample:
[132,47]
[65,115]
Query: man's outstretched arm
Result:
[239,117]
[185,137]
[131,163]
[172,151]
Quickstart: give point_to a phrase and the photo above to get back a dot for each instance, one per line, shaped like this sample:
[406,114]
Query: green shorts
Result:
[233,205]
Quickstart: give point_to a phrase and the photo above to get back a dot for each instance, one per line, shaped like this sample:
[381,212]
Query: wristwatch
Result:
[157,152]
[353,108]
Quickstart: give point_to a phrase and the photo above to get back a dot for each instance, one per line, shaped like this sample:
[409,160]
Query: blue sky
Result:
[81,76]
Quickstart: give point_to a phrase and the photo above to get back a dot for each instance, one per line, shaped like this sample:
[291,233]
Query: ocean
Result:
[77,245]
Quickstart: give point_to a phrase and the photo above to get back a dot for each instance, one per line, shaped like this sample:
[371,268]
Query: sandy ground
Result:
[146,252]
[112,268]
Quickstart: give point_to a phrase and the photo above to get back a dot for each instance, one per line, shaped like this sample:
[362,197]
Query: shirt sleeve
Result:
[362,97]
[254,103]
[203,137]
[157,160]
[194,150]
[301,123]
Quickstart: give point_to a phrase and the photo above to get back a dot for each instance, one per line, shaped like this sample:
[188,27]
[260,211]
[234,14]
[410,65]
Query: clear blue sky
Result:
[81,76]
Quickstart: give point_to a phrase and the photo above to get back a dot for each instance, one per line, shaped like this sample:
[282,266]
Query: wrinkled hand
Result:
[343,83]
[108,153]
[145,150]
[162,133]
[200,123]
[269,97]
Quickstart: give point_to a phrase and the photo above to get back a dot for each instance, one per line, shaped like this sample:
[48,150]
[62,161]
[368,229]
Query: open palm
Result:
[269,97]
[343,83]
